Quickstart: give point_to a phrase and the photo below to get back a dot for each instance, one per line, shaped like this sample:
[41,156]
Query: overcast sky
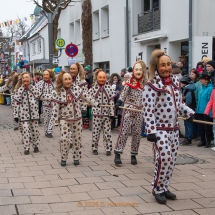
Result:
[10,9]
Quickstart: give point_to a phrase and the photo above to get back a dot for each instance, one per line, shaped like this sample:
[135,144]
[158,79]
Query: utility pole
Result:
[190,35]
[51,16]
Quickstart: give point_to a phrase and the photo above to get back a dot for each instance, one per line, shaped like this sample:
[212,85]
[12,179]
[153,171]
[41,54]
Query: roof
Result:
[39,24]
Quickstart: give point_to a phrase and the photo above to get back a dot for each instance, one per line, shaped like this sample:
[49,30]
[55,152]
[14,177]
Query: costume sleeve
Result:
[149,102]
[124,93]
[55,112]
[4,88]
[43,96]
[111,102]
[16,108]
[91,101]
[210,104]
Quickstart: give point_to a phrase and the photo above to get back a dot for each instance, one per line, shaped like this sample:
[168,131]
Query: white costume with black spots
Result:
[26,110]
[131,120]
[104,95]
[47,88]
[67,112]
[162,105]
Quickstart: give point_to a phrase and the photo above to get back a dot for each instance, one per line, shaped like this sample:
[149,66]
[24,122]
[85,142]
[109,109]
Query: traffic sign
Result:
[71,50]
[60,43]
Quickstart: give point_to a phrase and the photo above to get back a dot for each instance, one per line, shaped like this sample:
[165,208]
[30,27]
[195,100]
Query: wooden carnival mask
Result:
[26,79]
[164,66]
[46,75]
[101,78]
[73,70]
[138,71]
[67,80]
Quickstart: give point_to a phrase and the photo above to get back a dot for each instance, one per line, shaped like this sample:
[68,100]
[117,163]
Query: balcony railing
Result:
[149,21]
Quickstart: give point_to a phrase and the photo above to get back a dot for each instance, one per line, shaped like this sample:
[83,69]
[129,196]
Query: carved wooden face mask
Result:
[73,70]
[26,80]
[164,66]
[67,80]
[138,71]
[46,76]
[101,78]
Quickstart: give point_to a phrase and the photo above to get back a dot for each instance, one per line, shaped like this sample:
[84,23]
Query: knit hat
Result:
[212,63]
[129,69]
[87,68]
[205,59]
[204,76]
[186,79]
[123,70]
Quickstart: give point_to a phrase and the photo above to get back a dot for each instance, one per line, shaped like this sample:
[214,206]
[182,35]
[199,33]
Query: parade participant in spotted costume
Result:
[47,85]
[103,93]
[78,78]
[162,104]
[131,96]
[26,112]
[67,113]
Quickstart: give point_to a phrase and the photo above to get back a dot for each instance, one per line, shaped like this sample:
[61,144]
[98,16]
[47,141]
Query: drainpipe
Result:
[190,35]
[127,35]
[29,56]
[39,36]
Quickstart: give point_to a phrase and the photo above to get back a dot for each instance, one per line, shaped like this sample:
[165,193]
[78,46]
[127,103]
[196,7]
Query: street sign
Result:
[56,60]
[71,50]
[71,61]
[60,43]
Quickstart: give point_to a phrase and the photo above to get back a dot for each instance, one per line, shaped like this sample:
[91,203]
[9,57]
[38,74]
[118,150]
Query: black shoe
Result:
[201,144]
[36,149]
[160,198]
[208,145]
[16,128]
[63,163]
[71,145]
[48,135]
[108,153]
[186,142]
[117,159]
[133,160]
[95,152]
[170,195]
[26,152]
[76,162]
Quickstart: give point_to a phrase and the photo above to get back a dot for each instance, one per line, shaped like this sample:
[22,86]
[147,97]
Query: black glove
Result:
[111,117]
[16,120]
[190,119]
[151,138]
[118,103]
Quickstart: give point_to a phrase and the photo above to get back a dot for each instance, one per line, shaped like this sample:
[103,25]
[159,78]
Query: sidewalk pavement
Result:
[36,183]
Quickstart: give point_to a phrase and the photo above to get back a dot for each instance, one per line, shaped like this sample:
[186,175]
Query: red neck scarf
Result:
[48,82]
[138,85]
[167,81]
[26,87]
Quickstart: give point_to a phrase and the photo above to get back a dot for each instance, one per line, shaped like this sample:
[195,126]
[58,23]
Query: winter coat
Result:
[46,88]
[204,94]
[163,104]
[26,106]
[66,105]
[103,95]
[211,105]
[189,95]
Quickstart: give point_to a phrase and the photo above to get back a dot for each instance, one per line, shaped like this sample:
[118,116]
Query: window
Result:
[33,48]
[59,33]
[184,48]
[105,21]
[71,33]
[150,5]
[77,32]
[96,33]
[39,46]
[105,66]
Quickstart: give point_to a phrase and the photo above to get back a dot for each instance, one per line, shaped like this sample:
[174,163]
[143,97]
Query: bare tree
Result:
[86,20]
[49,6]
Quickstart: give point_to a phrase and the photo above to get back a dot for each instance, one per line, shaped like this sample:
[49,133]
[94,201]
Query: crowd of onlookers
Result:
[4,98]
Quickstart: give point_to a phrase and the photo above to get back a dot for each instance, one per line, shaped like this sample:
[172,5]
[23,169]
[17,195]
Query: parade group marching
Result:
[147,102]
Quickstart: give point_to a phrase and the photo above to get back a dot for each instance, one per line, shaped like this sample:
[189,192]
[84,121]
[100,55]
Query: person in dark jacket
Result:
[188,97]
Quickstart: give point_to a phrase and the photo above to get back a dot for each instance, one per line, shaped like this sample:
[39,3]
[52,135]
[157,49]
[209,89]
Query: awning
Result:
[160,36]
[37,62]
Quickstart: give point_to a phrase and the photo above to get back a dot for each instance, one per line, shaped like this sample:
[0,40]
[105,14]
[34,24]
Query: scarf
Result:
[26,87]
[166,81]
[48,82]
[133,85]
